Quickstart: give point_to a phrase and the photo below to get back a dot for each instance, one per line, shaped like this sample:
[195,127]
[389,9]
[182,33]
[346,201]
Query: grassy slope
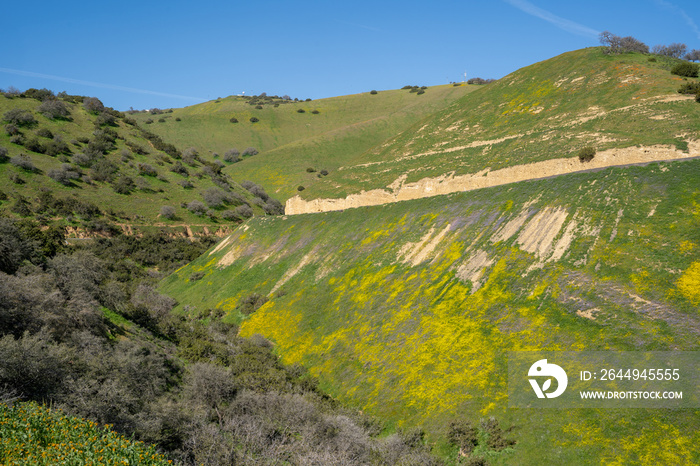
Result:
[140,207]
[290,142]
[418,345]
[547,110]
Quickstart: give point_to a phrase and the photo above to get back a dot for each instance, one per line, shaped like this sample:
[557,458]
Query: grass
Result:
[547,110]
[140,208]
[34,435]
[343,130]
[417,345]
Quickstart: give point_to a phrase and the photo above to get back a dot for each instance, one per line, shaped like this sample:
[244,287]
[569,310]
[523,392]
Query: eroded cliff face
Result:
[449,183]
[174,231]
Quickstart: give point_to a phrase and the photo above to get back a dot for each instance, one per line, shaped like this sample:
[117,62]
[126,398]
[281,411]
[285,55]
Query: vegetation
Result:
[77,147]
[689,70]
[586,154]
[616,44]
[340,133]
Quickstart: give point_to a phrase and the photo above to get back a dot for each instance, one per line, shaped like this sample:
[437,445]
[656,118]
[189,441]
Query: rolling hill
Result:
[291,137]
[407,310]
[624,106]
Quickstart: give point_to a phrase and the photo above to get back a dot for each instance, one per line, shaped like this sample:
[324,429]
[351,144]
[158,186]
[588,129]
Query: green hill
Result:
[548,110]
[96,171]
[290,141]
[407,310]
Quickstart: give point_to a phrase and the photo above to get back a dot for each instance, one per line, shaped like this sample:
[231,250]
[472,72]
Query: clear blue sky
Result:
[146,54]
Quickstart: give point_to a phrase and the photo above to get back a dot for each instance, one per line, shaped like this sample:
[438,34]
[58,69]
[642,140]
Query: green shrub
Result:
[301,110]
[373,92]
[234,120]
[254,119]
[586,154]
[32,434]
[35,146]
[689,88]
[686,69]
[251,303]
[315,112]
[300,188]
[310,170]
[464,436]
[54,109]
[19,117]
[24,162]
[44,133]
[168,212]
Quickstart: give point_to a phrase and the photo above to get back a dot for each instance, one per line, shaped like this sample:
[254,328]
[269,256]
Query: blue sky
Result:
[172,54]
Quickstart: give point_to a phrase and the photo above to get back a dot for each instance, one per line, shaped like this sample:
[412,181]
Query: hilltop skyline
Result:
[174,55]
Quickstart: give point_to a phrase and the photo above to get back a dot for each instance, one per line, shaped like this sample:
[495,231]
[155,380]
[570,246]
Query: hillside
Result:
[95,171]
[289,141]
[407,310]
[625,105]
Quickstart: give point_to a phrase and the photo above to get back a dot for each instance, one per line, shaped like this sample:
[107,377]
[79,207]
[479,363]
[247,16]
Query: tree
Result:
[693,55]
[616,44]
[675,50]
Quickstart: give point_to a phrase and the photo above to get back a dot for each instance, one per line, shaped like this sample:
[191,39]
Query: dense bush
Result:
[24,162]
[19,117]
[64,175]
[586,154]
[479,81]
[232,155]
[179,169]
[44,133]
[300,188]
[197,207]
[93,105]
[34,145]
[301,110]
[373,92]
[686,69]
[147,170]
[254,119]
[689,88]
[244,211]
[215,197]
[3,154]
[123,185]
[234,120]
[249,151]
[54,109]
